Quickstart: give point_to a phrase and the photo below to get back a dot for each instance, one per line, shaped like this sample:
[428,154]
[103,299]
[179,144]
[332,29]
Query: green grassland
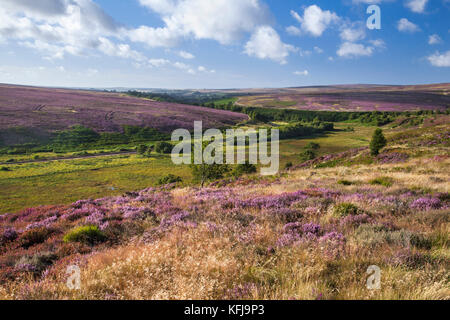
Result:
[65,181]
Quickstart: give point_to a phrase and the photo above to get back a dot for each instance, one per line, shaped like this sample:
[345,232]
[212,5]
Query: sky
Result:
[218,44]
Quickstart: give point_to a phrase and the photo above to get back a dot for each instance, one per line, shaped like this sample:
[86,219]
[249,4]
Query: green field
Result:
[65,181]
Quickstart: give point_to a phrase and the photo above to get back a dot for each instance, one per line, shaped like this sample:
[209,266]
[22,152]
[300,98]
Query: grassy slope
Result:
[221,252]
[63,182]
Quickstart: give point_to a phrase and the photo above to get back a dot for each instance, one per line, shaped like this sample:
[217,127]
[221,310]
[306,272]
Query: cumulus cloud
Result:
[301,73]
[434,39]
[265,43]
[440,60]
[222,20]
[315,20]
[57,28]
[60,27]
[353,33]
[186,55]
[352,50]
[404,25]
[417,6]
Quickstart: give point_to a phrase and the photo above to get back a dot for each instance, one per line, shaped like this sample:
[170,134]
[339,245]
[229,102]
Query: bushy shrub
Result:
[313,146]
[245,168]
[345,182]
[374,235]
[36,263]
[163,147]
[382,181]
[288,165]
[169,179]
[5,169]
[345,209]
[35,236]
[86,234]
[307,155]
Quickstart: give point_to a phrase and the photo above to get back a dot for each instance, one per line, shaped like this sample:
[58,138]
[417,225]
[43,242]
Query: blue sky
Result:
[222,43]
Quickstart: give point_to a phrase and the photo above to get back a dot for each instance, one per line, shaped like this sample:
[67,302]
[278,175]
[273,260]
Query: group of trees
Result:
[79,137]
[160,147]
[310,152]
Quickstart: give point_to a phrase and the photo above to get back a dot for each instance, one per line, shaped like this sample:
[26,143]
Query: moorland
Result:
[84,180]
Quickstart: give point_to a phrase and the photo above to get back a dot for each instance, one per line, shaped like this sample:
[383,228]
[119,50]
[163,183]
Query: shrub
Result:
[245,168]
[9,234]
[169,179]
[345,182]
[86,234]
[382,181]
[313,146]
[288,165]
[345,209]
[163,147]
[36,263]
[378,142]
[308,155]
[35,236]
[5,169]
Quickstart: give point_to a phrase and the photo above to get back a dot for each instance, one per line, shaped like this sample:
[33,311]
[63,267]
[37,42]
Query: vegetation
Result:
[245,168]
[164,147]
[382,181]
[169,179]
[345,209]
[86,234]
[378,142]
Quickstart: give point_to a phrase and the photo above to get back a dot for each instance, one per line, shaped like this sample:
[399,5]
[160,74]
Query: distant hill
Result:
[40,111]
[353,98]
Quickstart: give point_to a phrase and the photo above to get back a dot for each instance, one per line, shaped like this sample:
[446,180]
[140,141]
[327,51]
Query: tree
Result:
[163,147]
[142,149]
[208,172]
[245,168]
[313,146]
[378,142]
[308,154]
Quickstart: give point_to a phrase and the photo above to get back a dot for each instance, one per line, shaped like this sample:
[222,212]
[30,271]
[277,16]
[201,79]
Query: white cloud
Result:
[440,60]
[301,73]
[353,33]
[222,20]
[367,1]
[184,67]
[378,43]
[351,50]
[293,30]
[205,70]
[434,39]
[158,62]
[404,25]
[186,55]
[315,20]
[417,6]
[318,50]
[119,50]
[265,43]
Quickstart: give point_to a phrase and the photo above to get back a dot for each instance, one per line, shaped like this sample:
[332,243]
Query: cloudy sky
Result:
[222,43]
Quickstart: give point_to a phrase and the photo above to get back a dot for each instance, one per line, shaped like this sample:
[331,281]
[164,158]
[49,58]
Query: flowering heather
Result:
[426,204]
[9,234]
[392,157]
[249,239]
[59,109]
[241,292]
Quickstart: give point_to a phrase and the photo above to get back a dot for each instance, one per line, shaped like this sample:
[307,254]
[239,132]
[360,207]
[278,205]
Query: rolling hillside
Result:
[30,111]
